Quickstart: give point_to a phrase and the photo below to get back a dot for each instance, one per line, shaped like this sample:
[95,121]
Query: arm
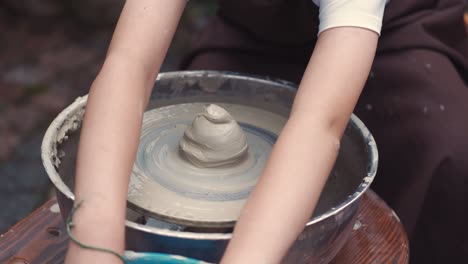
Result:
[305,152]
[111,127]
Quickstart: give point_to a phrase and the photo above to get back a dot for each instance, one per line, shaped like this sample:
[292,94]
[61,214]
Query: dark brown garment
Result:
[415,101]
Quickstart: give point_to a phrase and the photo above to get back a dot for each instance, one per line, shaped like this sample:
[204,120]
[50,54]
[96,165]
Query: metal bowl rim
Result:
[80,102]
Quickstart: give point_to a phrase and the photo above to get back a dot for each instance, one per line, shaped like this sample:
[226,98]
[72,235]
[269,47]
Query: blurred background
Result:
[50,52]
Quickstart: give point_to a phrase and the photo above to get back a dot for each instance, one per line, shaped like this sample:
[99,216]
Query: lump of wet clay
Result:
[214,139]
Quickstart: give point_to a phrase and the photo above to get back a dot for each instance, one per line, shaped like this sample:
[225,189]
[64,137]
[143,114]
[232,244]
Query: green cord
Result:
[73,238]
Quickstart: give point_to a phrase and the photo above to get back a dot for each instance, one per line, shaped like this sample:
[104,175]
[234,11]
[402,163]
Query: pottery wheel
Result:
[166,185]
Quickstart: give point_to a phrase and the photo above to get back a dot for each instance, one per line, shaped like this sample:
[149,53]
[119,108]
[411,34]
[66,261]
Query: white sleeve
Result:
[354,13]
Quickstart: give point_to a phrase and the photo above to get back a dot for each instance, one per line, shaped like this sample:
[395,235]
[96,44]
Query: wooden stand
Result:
[377,237]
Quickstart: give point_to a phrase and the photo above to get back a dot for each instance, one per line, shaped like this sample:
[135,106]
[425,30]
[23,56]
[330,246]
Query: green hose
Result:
[77,242]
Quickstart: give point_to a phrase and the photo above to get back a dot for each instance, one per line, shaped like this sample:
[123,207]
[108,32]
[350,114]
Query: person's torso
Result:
[295,22]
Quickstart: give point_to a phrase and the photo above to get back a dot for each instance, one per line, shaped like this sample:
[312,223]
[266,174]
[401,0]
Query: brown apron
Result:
[415,101]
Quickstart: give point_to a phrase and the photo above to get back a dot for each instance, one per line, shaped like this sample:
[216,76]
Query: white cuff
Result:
[351,13]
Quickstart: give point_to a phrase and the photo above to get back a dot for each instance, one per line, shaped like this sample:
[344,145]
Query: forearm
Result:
[283,200]
[108,141]
[111,127]
[305,152]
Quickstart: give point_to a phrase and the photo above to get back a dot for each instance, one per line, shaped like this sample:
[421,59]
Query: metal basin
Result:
[324,234]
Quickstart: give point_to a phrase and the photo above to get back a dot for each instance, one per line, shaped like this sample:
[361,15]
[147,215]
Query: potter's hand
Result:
[305,152]
[111,127]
